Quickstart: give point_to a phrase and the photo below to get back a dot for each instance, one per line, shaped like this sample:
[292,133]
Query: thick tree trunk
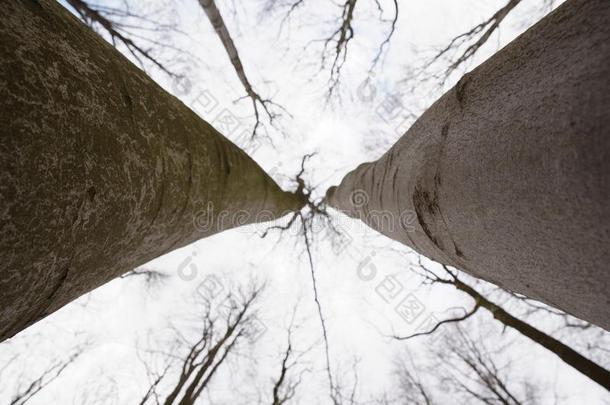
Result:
[507,174]
[570,356]
[102,170]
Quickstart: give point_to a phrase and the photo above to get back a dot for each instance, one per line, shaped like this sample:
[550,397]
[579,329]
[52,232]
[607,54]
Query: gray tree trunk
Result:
[213,14]
[101,170]
[508,173]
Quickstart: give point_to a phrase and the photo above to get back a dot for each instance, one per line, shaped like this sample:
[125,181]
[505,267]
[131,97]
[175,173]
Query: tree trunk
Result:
[213,14]
[570,356]
[507,174]
[102,170]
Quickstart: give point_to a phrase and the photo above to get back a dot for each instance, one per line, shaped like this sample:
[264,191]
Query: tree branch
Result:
[215,18]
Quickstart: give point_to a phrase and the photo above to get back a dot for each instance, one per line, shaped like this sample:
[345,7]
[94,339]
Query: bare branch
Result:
[46,378]
[458,51]
[120,32]
[387,39]
[467,370]
[477,36]
[224,324]
[483,31]
[151,276]
[341,38]
[570,356]
[439,324]
[215,18]
[332,390]
[410,386]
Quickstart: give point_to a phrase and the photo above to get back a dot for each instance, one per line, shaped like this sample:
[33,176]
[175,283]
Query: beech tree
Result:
[102,170]
[507,172]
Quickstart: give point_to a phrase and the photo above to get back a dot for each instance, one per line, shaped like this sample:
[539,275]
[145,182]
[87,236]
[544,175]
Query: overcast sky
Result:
[369,114]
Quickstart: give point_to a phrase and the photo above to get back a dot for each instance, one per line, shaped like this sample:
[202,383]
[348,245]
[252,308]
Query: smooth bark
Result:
[101,169]
[507,174]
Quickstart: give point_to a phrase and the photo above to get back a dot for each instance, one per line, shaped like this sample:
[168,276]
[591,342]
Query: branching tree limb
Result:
[335,45]
[535,307]
[410,385]
[474,39]
[288,7]
[215,18]
[313,210]
[109,20]
[570,356]
[280,384]
[46,378]
[339,41]
[466,371]
[385,43]
[223,327]
[331,384]
[456,319]
[151,276]
[473,371]
[152,390]
[286,383]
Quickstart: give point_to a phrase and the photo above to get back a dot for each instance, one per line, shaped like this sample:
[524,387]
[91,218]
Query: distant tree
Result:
[463,368]
[569,356]
[23,393]
[224,325]
[267,105]
[291,372]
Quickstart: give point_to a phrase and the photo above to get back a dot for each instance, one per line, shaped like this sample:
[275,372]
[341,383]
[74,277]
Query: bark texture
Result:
[508,172]
[101,170]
